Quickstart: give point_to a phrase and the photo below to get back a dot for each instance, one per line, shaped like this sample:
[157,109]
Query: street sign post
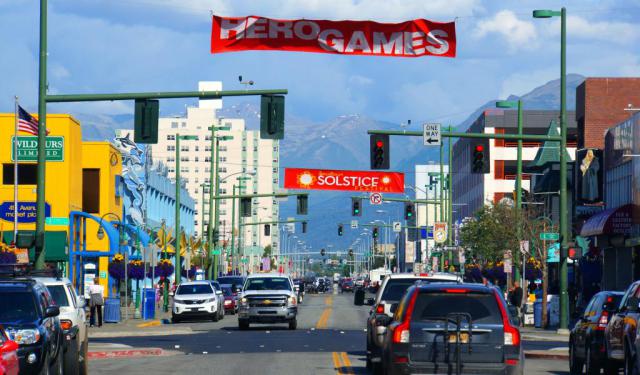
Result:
[375,199]
[397,227]
[549,236]
[431,135]
[508,263]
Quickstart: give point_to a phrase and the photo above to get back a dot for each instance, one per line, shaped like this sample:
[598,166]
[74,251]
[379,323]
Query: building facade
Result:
[245,155]
[471,191]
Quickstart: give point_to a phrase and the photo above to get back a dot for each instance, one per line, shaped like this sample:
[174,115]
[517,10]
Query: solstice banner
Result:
[329,179]
[413,38]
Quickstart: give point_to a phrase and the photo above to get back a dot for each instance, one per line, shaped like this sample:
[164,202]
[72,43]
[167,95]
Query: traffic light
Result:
[480,156]
[245,207]
[409,211]
[304,227]
[379,150]
[375,232]
[574,253]
[216,235]
[301,208]
[267,230]
[356,204]
[322,252]
[340,230]
[272,117]
[145,122]
[351,253]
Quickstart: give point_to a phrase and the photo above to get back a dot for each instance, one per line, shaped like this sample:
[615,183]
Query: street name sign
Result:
[431,135]
[397,227]
[375,199]
[57,221]
[549,236]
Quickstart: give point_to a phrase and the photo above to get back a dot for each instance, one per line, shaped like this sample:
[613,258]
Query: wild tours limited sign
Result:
[28,148]
[328,179]
[413,38]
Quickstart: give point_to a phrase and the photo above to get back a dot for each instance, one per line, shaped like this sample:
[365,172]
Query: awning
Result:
[612,221]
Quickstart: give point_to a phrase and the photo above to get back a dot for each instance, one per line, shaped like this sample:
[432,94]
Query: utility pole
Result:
[178,268]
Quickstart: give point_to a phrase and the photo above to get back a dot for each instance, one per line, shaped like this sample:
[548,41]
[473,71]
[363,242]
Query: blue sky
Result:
[163,45]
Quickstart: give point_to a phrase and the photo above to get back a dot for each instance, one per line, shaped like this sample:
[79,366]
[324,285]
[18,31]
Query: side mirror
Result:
[81,302]
[219,292]
[52,311]
[383,320]
[632,304]
[393,308]
[9,346]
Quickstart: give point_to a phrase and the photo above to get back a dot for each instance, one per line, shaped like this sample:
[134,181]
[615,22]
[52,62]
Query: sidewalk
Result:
[541,336]
[138,327]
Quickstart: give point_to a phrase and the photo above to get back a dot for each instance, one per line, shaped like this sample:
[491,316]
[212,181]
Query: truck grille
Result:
[267,301]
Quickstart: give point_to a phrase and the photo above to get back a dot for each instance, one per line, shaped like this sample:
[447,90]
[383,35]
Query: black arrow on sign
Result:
[431,140]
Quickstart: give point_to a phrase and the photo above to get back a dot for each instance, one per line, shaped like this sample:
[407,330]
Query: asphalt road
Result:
[330,339]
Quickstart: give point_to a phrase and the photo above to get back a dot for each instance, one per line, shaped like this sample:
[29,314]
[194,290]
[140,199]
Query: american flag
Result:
[27,123]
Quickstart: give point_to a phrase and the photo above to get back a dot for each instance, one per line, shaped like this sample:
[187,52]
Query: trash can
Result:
[358,297]
[537,314]
[112,310]
[148,303]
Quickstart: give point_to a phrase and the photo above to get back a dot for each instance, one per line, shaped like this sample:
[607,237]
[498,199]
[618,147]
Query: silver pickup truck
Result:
[268,298]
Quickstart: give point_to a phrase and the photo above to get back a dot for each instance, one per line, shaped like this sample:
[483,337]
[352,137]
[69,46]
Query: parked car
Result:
[268,298]
[230,300]
[586,341]
[621,333]
[451,328]
[347,286]
[237,282]
[9,363]
[73,320]
[390,292]
[218,289]
[196,299]
[30,318]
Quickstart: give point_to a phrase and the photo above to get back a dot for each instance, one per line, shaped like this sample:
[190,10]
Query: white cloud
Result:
[360,80]
[601,31]
[519,34]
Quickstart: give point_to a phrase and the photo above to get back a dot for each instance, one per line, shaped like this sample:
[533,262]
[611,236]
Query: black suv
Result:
[446,328]
[30,318]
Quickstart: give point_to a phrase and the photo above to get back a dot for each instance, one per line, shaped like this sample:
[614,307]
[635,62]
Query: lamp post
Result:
[100,235]
[178,268]
[564,232]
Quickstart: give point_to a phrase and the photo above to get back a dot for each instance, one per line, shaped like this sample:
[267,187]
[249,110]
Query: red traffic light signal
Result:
[379,151]
[479,161]
[479,148]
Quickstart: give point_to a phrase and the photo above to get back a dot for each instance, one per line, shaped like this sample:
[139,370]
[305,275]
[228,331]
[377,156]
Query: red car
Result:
[230,299]
[8,355]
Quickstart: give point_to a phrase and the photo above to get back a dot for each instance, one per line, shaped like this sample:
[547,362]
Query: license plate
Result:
[194,309]
[464,338]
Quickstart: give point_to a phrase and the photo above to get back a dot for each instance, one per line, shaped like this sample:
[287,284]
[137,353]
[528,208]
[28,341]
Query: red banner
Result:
[326,179]
[407,39]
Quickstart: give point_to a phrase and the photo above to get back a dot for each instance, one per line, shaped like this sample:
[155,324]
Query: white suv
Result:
[73,320]
[196,298]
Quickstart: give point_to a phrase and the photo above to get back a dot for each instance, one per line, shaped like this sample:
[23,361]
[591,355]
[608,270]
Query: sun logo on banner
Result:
[306,179]
[386,180]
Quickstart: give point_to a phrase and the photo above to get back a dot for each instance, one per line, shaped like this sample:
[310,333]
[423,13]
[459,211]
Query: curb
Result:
[140,333]
[541,354]
[125,353]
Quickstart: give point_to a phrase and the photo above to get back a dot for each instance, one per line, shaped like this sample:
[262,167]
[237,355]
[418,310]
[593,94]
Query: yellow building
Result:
[80,176]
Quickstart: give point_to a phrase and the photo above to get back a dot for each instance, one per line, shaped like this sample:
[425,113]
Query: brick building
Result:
[601,104]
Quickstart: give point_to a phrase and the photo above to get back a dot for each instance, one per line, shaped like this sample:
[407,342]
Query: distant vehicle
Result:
[236,282]
[9,363]
[586,341]
[336,277]
[230,300]
[377,275]
[451,328]
[30,318]
[218,289]
[621,334]
[268,298]
[390,292]
[73,320]
[196,299]
[347,286]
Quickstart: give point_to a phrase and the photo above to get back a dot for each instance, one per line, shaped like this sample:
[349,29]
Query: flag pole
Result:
[15,173]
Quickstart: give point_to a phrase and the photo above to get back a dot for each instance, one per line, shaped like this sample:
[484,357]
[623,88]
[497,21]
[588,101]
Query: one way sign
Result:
[431,135]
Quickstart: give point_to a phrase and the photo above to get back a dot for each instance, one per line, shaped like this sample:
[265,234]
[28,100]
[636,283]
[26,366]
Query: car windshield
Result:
[483,308]
[59,295]
[395,288]
[231,280]
[194,289]
[226,290]
[268,283]
[17,307]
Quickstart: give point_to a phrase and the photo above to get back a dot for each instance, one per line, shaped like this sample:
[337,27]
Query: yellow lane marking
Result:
[324,318]
[153,323]
[328,301]
[344,366]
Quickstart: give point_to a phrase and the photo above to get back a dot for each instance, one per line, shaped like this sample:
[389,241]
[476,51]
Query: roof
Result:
[53,280]
[467,286]
[550,150]
[197,282]
[434,275]
[261,275]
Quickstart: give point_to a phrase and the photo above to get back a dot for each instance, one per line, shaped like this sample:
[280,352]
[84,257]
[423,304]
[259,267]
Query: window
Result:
[207,148]
[184,124]
[91,190]
[275,149]
[171,137]
[483,308]
[275,180]
[171,170]
[244,148]
[223,159]
[207,159]
[255,148]
[222,148]
[171,148]
[184,158]
[197,158]
[197,148]
[207,138]
[59,295]
[174,125]
[222,170]
[184,148]
[184,169]
[228,124]
[171,159]
[27,174]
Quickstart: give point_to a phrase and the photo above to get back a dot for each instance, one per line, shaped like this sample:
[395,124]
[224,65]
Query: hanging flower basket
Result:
[473,272]
[8,257]
[136,270]
[190,274]
[164,268]
[116,267]
[533,269]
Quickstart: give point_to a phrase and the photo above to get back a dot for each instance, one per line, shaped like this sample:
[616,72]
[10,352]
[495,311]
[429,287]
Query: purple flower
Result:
[116,270]
[7,257]
[136,272]
[190,274]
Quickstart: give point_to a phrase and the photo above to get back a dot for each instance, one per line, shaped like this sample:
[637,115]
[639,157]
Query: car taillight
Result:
[401,332]
[400,359]
[603,321]
[380,309]
[511,333]
[66,324]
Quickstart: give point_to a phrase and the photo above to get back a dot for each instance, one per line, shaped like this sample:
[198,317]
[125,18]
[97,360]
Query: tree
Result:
[490,232]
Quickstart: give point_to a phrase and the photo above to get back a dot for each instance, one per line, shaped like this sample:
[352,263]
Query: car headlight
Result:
[293,300]
[244,300]
[209,300]
[177,301]
[24,336]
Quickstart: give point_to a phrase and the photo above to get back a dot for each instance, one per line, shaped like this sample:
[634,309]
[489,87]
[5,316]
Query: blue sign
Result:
[423,233]
[553,253]
[26,211]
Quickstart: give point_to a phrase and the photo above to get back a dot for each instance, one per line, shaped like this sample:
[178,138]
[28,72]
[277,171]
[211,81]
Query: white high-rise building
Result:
[427,217]
[246,156]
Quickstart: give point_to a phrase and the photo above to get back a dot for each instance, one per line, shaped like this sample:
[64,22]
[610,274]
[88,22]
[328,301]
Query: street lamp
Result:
[100,236]
[564,232]
[178,268]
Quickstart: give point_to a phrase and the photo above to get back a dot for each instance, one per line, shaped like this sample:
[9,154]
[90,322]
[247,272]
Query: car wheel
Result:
[293,324]
[243,325]
[611,368]
[592,366]
[45,366]
[175,319]
[72,359]
[575,364]
[630,367]
[84,361]
[215,317]
[57,368]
